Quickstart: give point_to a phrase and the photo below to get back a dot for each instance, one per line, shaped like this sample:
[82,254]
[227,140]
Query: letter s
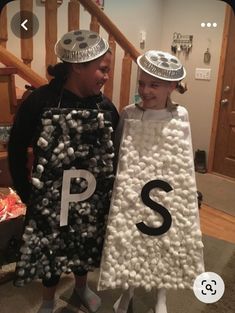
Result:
[152,231]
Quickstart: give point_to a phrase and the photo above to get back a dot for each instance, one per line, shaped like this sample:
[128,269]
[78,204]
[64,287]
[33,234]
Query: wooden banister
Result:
[23,70]
[108,87]
[51,32]
[26,43]
[8,101]
[111,28]
[98,19]
[73,15]
[94,25]
[3,27]
[125,81]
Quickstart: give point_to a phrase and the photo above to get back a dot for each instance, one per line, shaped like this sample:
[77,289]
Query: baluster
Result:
[73,15]
[8,94]
[50,32]
[108,87]
[125,81]
[94,25]
[26,43]
[3,27]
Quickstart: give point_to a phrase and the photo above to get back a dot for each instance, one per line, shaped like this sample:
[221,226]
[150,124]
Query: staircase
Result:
[99,21]
[11,96]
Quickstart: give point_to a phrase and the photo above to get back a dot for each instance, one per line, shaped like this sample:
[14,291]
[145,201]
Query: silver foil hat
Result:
[162,65]
[79,46]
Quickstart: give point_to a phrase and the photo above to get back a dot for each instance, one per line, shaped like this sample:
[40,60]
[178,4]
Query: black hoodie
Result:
[25,126]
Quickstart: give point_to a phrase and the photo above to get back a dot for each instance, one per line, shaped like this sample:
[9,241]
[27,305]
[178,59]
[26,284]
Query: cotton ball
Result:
[156,224]
[181,286]
[167,158]
[151,168]
[191,198]
[166,132]
[138,279]
[113,285]
[124,150]
[166,242]
[137,266]
[173,123]
[137,170]
[192,208]
[199,245]
[184,144]
[43,143]
[40,168]
[123,163]
[70,151]
[197,234]
[149,218]
[166,147]
[106,266]
[132,274]
[188,224]
[118,282]
[126,143]
[146,160]
[153,262]
[148,287]
[174,133]
[105,276]
[175,149]
[169,139]
[186,160]
[37,183]
[156,156]
[115,209]
[125,286]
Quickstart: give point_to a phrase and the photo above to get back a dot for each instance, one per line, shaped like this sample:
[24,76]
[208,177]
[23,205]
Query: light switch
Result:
[203,73]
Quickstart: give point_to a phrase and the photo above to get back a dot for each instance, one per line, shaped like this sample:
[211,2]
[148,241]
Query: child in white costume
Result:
[160,74]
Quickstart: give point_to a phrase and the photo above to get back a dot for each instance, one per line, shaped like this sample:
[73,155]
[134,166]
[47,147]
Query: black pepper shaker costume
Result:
[77,135]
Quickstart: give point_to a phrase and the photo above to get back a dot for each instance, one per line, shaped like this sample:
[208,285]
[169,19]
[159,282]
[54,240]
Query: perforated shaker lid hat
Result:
[162,65]
[79,46]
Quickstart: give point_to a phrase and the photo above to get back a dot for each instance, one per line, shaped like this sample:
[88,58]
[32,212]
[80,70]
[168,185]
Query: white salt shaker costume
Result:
[153,238]
[156,144]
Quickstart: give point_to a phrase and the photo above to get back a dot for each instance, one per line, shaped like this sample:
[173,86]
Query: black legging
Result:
[54,280]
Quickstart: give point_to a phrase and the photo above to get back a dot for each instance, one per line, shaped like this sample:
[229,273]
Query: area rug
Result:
[218,192]
[227,302]
[219,257]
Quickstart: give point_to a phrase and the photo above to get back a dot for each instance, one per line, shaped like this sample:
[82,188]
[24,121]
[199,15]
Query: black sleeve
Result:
[21,136]
[109,106]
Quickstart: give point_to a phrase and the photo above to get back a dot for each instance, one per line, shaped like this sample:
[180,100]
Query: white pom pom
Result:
[40,168]
[43,143]
[37,183]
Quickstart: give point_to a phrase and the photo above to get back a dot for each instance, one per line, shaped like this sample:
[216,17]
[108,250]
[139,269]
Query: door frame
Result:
[228,15]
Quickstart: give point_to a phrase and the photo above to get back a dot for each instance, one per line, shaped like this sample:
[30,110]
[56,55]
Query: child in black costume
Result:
[69,124]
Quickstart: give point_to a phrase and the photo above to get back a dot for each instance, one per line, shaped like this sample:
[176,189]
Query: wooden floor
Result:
[217,224]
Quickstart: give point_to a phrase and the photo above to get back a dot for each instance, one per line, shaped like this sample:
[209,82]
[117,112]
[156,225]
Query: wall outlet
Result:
[203,73]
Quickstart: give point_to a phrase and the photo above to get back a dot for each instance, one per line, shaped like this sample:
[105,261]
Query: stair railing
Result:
[98,19]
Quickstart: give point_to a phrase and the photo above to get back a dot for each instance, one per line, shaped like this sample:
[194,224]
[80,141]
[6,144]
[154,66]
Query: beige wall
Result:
[185,17]
[159,19]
